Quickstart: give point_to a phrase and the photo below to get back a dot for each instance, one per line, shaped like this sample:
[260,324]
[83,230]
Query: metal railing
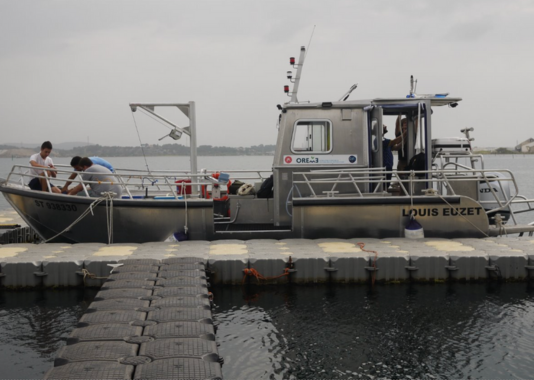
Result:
[442,182]
[172,184]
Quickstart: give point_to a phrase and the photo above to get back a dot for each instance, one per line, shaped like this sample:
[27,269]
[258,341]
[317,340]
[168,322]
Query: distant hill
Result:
[131,151]
[63,146]
[16,153]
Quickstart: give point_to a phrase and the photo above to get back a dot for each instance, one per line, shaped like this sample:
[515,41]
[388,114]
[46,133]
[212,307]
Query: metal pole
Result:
[428,139]
[193,143]
[297,76]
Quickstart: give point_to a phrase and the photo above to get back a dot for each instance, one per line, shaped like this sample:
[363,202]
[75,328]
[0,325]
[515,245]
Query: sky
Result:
[69,69]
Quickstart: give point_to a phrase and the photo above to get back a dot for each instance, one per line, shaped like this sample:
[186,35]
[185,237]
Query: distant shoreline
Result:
[167,150]
[176,150]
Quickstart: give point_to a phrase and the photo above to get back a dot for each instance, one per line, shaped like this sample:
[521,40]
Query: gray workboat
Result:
[328,180]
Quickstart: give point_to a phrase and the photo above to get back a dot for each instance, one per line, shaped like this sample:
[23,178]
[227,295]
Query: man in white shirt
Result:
[42,160]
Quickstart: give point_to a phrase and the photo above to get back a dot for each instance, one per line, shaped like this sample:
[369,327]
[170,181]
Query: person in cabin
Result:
[75,163]
[401,128]
[387,156]
[106,181]
[42,160]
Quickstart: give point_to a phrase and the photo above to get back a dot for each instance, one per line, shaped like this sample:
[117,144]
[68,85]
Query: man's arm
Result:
[75,190]
[67,184]
[396,142]
[51,173]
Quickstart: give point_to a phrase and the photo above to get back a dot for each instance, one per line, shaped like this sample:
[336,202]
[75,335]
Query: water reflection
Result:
[397,332]
[34,326]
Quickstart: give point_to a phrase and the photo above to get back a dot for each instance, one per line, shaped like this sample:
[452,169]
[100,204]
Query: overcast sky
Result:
[68,69]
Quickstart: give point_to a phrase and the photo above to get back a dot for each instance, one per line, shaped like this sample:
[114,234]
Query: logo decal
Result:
[352,159]
[288,159]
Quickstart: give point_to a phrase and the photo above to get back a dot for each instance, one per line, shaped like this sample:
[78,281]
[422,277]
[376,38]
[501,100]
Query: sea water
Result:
[458,331]
[315,332]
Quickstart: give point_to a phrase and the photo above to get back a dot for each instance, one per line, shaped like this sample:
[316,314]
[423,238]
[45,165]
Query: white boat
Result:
[328,182]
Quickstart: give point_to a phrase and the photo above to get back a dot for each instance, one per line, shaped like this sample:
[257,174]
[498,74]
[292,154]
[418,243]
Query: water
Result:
[394,332]
[34,326]
[478,331]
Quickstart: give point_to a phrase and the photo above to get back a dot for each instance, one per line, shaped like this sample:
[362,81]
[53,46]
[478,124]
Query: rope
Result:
[373,276]
[500,224]
[89,209]
[254,273]
[91,276]
[185,203]
[109,214]
[455,208]
[140,143]
[412,212]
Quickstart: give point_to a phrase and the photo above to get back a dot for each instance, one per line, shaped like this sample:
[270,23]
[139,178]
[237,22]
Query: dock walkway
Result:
[150,320]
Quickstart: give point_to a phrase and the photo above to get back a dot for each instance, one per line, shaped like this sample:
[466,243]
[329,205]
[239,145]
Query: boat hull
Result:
[132,221]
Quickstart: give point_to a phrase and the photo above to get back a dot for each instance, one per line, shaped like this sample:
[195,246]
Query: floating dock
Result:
[150,320]
[152,316]
[298,261]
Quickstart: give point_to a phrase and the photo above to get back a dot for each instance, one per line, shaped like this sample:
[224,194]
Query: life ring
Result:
[246,189]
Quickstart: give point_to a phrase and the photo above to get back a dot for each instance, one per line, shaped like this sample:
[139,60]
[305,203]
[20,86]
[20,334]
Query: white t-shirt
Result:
[45,162]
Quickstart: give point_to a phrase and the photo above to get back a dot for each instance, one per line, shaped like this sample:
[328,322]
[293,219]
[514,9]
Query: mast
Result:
[296,81]
[188,109]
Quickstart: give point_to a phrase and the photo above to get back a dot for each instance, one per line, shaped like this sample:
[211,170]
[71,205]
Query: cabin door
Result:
[375,141]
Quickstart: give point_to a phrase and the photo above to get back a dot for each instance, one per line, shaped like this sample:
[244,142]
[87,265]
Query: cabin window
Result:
[312,136]
[374,135]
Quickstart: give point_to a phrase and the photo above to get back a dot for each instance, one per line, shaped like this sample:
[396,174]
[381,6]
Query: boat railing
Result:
[442,160]
[169,183]
[441,182]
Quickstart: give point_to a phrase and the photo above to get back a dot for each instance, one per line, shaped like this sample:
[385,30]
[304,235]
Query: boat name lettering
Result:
[464,211]
[307,160]
[56,206]
[325,159]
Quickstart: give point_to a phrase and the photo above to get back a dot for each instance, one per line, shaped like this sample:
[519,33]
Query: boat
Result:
[328,181]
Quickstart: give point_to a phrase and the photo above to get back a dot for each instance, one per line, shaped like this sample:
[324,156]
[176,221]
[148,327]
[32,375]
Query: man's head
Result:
[85,163]
[75,163]
[46,149]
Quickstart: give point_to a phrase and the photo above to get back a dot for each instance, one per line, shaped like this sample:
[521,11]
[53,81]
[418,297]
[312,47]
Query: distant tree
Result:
[504,151]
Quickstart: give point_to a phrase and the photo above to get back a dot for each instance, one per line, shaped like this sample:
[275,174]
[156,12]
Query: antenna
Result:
[347,94]
[309,42]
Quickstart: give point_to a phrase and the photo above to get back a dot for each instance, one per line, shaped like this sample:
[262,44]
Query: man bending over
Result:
[104,179]
[75,163]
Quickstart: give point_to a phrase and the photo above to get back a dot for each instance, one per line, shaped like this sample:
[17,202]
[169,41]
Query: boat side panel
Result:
[344,220]
[132,222]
